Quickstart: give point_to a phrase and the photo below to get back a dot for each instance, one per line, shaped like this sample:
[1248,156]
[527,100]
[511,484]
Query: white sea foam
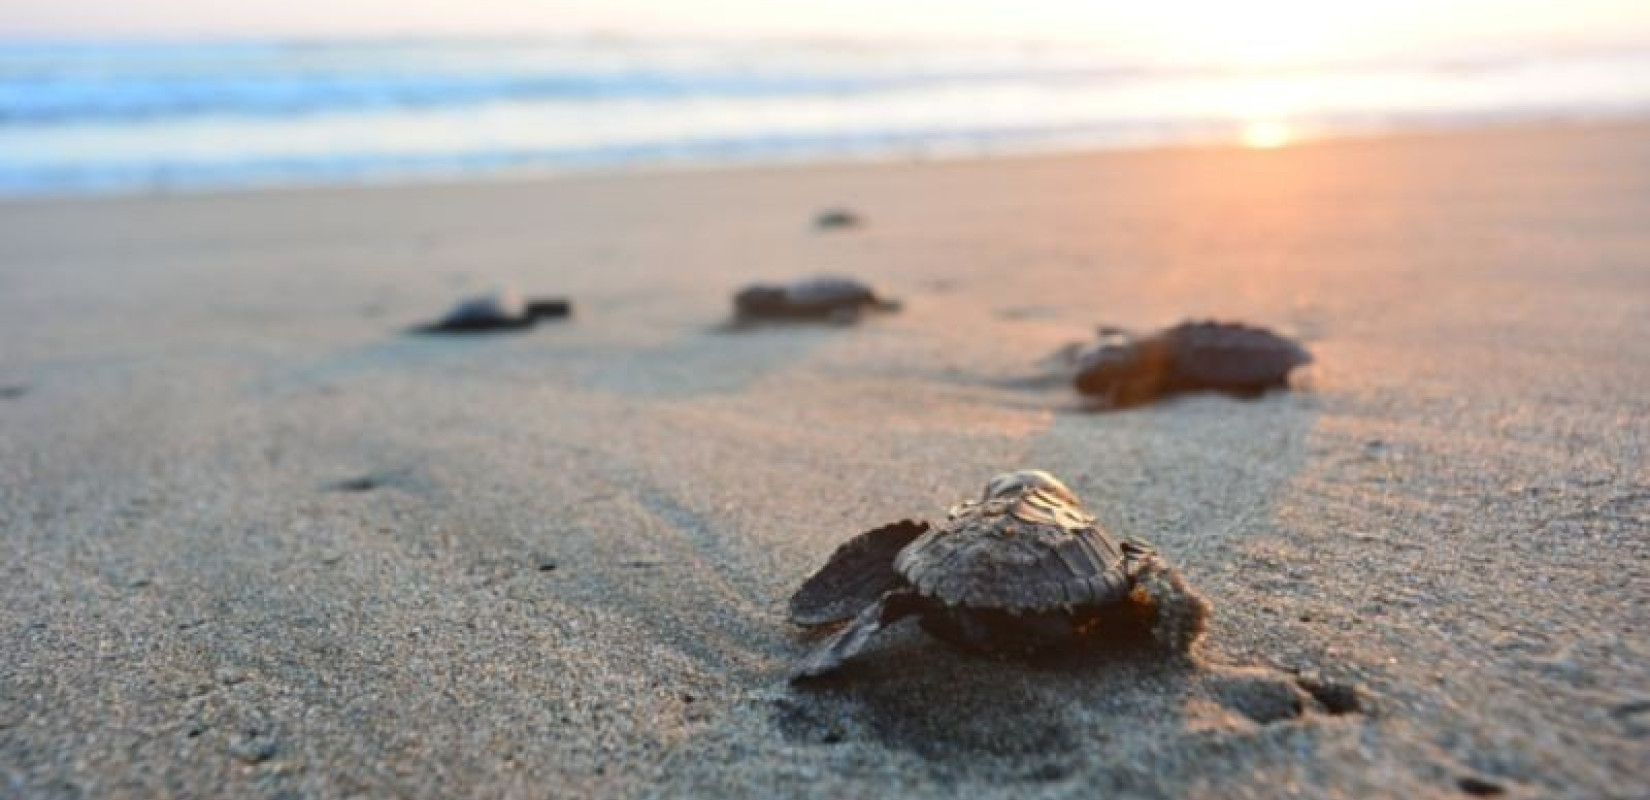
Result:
[101,117]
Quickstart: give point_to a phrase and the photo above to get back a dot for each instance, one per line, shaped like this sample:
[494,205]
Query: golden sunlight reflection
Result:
[1266,134]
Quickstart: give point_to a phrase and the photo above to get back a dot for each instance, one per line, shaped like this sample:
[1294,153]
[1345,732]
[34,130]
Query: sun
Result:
[1266,134]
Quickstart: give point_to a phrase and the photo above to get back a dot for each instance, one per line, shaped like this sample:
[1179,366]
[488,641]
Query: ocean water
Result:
[118,117]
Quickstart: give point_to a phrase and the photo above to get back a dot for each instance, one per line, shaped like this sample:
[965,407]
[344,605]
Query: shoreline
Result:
[1230,140]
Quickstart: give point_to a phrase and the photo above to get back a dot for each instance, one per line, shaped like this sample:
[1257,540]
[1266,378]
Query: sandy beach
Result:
[566,573]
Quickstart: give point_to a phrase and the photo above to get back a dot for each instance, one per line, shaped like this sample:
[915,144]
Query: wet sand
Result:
[261,544]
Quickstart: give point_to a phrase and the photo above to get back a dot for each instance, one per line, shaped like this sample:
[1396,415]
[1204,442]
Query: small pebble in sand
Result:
[835,219]
[1125,370]
[1479,787]
[1023,568]
[365,483]
[825,298]
[1634,716]
[253,749]
[501,311]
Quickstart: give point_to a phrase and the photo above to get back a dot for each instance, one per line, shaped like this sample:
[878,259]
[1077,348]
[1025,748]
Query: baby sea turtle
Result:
[500,311]
[1190,357]
[826,298]
[1022,568]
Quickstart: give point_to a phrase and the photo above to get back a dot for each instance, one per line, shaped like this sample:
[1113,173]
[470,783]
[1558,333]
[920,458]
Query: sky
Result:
[1264,31]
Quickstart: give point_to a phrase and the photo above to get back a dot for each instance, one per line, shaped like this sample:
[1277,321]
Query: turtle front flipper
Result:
[1179,613]
[846,643]
[856,576]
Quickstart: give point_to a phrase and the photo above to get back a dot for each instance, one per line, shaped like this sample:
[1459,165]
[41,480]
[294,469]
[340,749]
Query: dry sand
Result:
[1451,515]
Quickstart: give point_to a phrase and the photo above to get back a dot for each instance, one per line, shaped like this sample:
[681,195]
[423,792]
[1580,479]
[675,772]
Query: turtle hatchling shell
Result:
[830,290]
[486,309]
[811,298]
[1031,552]
[1231,354]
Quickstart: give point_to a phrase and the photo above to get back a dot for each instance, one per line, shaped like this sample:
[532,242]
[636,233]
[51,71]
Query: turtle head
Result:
[1112,362]
[548,308]
[1014,484]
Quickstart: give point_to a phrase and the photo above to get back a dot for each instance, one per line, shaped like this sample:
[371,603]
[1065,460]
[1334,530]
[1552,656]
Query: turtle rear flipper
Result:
[859,573]
[846,643]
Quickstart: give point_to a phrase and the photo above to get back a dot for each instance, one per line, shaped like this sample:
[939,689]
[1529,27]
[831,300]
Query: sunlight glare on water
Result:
[1266,134]
[133,116]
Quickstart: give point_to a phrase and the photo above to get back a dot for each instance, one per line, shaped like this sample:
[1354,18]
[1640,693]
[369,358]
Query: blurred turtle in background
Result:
[1125,370]
[824,298]
[500,311]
